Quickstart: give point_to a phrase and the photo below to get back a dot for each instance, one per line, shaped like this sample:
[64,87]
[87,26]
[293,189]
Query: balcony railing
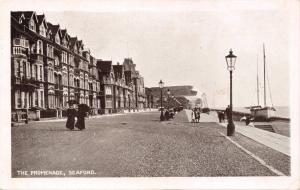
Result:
[18,50]
[58,87]
[36,57]
[26,81]
[21,42]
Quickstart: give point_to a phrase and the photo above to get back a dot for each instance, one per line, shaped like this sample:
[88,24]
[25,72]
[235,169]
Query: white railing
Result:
[21,42]
[19,51]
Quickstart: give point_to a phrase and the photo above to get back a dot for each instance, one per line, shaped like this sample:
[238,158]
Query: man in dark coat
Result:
[71,113]
[221,116]
[81,114]
[167,116]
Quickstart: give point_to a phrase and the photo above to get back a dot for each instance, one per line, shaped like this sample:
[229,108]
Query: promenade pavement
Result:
[96,116]
[275,141]
[139,145]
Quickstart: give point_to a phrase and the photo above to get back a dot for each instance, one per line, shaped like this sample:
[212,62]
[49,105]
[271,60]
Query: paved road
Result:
[137,145]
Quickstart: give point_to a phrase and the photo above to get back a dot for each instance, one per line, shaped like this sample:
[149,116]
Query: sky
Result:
[186,44]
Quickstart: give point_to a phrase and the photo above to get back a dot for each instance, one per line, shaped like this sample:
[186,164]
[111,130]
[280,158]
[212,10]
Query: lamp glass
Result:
[230,60]
[161,84]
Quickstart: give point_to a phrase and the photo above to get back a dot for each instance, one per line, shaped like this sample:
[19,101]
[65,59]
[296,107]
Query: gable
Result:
[21,19]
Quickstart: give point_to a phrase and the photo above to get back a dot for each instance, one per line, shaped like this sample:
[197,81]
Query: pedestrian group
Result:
[73,112]
[195,115]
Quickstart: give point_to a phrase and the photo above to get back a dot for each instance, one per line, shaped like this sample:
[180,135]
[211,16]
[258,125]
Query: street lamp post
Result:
[230,60]
[161,86]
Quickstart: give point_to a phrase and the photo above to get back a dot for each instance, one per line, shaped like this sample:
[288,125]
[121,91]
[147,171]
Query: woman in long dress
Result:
[192,116]
[80,124]
[71,113]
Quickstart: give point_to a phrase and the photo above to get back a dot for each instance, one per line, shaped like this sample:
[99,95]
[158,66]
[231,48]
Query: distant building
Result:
[133,77]
[149,98]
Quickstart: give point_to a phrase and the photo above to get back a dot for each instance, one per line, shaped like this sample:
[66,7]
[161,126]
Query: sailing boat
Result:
[259,112]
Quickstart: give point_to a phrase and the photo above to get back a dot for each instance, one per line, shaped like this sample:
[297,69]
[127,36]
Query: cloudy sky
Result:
[185,43]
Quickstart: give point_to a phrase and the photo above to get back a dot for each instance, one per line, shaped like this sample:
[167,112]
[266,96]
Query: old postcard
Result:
[150,94]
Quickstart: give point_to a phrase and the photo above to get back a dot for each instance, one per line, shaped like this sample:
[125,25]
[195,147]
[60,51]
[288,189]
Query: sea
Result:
[281,111]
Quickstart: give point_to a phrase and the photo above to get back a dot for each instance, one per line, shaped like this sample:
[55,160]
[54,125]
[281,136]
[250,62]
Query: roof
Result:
[54,29]
[118,70]
[104,66]
[73,41]
[129,65]
[40,18]
[17,15]
[28,14]
[63,32]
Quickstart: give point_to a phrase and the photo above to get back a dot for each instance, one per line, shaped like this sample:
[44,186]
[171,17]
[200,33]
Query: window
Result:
[71,60]
[32,25]
[57,40]
[65,42]
[18,97]
[49,51]
[28,69]
[42,99]
[42,30]
[25,100]
[36,71]
[50,75]
[49,34]
[81,83]
[36,98]
[21,20]
[108,90]
[75,49]
[41,73]
[17,68]
[64,57]
[39,47]
[71,80]
[56,61]
[24,69]
[108,103]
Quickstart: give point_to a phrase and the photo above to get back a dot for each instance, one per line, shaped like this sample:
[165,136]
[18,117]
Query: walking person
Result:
[192,116]
[71,113]
[199,113]
[221,116]
[167,115]
[81,114]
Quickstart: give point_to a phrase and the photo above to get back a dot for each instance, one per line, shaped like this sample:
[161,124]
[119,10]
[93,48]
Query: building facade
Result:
[49,67]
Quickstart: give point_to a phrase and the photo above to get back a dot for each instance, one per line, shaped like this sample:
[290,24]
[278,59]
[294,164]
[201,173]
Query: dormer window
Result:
[64,42]
[75,49]
[32,25]
[42,30]
[49,35]
[21,19]
[57,39]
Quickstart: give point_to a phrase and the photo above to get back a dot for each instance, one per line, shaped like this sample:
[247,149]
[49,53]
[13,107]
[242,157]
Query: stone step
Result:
[265,127]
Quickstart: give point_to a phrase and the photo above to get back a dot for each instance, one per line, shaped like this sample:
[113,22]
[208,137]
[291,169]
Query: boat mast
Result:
[264,76]
[257,81]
